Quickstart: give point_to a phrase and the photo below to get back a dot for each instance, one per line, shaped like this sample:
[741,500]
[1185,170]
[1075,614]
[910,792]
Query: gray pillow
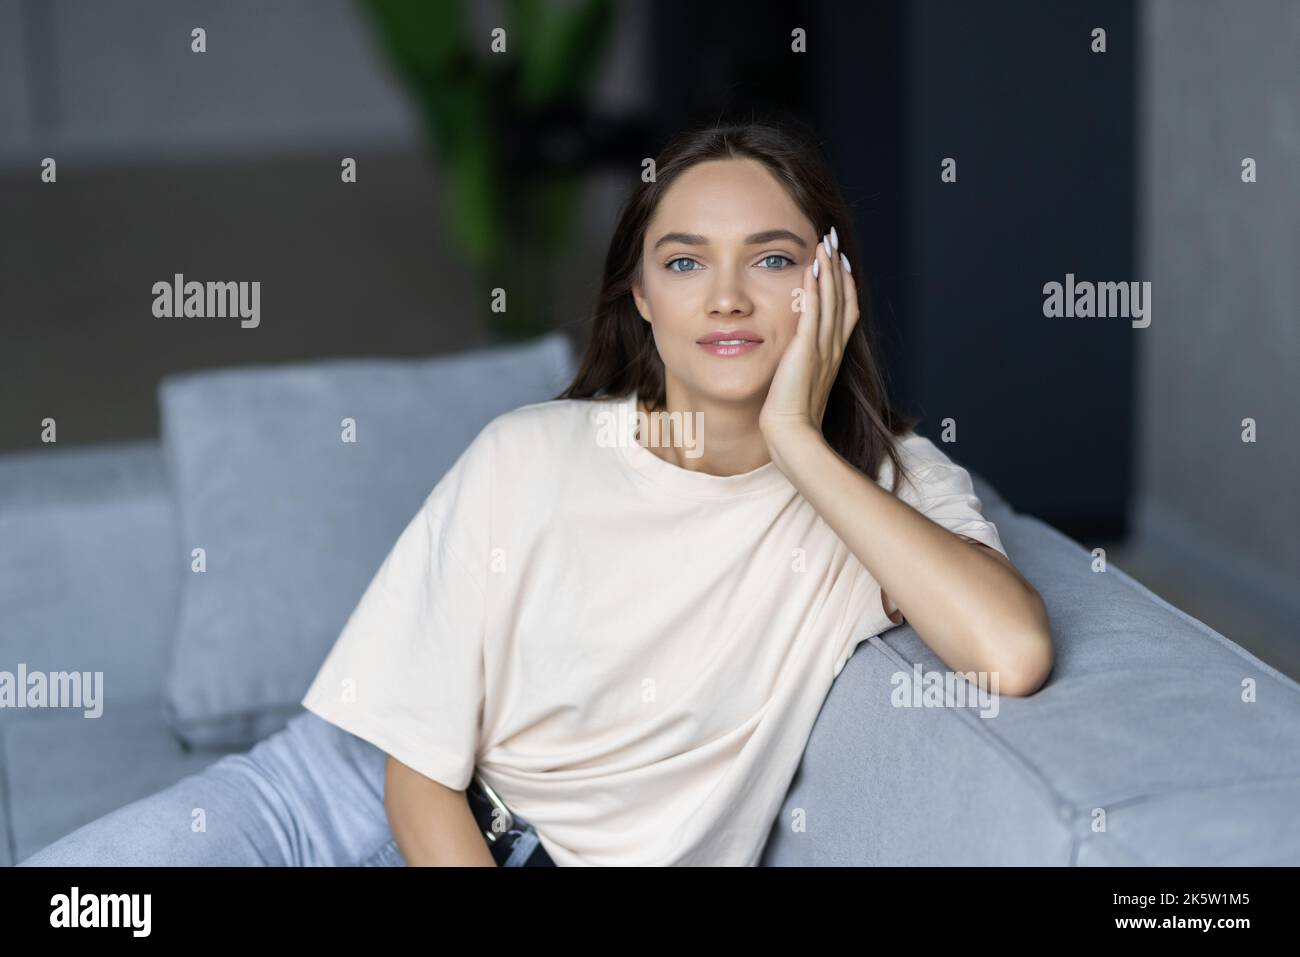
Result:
[294,521]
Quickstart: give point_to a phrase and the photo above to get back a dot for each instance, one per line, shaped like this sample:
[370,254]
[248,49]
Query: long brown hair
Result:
[621,356]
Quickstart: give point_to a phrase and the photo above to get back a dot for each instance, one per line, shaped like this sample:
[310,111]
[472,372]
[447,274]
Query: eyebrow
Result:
[754,239]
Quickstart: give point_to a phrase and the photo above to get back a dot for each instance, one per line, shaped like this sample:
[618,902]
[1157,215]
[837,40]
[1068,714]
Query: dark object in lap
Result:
[482,806]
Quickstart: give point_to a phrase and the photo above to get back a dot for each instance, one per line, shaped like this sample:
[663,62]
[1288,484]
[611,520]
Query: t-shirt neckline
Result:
[766,478]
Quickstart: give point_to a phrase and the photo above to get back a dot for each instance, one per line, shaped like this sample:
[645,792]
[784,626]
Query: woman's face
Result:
[724,253]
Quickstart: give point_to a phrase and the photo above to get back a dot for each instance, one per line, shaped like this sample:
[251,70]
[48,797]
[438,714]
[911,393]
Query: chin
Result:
[738,391]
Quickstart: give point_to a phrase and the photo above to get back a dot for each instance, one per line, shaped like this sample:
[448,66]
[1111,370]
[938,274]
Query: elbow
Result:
[1024,680]
[1031,660]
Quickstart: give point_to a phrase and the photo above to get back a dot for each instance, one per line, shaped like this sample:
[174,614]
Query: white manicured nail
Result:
[835,239]
[845,259]
[816,263]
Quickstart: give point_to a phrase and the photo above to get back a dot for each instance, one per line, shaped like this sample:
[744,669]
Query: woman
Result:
[629,631]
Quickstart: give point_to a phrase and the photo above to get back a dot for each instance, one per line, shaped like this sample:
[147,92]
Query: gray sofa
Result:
[1155,741]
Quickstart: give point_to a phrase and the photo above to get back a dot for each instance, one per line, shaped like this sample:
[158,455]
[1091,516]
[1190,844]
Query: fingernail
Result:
[845,259]
[835,239]
[826,242]
[816,263]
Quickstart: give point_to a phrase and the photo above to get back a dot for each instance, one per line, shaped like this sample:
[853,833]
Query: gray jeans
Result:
[310,795]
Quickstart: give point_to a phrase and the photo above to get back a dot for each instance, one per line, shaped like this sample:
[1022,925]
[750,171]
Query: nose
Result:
[727,295]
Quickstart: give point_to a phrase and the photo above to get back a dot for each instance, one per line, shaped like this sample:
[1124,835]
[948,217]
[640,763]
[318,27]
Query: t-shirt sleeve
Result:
[944,492]
[941,490]
[406,672]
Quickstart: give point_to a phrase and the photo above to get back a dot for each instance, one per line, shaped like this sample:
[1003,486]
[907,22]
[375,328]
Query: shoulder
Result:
[525,451]
[919,452]
[544,421]
[944,490]
[531,436]
[927,467]
[916,453]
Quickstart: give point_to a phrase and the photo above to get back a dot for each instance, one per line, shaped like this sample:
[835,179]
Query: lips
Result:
[726,343]
[730,337]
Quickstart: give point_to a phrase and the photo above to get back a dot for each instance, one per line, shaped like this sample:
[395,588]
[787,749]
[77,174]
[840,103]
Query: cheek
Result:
[788,325]
[674,311]
[659,294]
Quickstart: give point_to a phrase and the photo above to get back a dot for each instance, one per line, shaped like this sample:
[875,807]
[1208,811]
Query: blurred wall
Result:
[1220,83]
[1041,130]
[225,166]
[113,83]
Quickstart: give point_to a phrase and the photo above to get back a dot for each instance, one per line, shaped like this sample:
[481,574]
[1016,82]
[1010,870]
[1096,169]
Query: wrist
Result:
[788,439]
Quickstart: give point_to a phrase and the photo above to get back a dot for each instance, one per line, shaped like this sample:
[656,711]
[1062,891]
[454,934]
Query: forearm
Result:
[433,825]
[974,611]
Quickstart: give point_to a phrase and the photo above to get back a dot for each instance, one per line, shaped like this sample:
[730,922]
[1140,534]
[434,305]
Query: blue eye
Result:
[683,259]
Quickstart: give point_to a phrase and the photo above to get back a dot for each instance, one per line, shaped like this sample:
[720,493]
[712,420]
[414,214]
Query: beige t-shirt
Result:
[632,653]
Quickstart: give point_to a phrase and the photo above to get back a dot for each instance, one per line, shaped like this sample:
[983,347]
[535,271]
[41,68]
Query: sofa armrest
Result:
[1155,741]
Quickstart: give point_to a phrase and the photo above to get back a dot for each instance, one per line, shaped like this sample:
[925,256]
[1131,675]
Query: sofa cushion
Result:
[1228,824]
[294,521]
[86,582]
[63,770]
[6,827]
[1144,746]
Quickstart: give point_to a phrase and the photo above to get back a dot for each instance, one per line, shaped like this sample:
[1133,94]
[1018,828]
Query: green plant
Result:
[486,115]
